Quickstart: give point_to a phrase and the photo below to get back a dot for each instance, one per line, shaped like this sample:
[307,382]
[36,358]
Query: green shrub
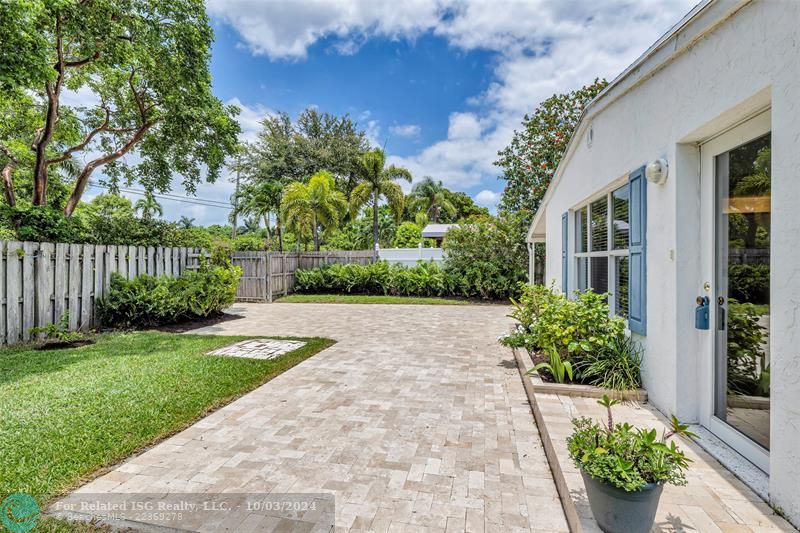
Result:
[382,278]
[488,257]
[573,326]
[749,283]
[408,235]
[147,301]
[746,338]
[626,457]
[583,332]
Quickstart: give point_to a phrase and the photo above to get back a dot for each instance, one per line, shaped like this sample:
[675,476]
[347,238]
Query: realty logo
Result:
[19,513]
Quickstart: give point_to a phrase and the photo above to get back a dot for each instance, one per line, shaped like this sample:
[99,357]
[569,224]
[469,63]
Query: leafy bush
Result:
[626,457]
[425,279]
[408,235]
[58,331]
[746,338]
[575,327]
[581,330]
[488,257]
[749,283]
[148,301]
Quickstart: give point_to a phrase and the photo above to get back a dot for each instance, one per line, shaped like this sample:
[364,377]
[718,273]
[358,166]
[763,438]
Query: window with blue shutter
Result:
[637,264]
[564,252]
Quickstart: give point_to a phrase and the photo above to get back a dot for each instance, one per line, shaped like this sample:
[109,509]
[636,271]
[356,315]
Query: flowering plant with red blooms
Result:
[529,162]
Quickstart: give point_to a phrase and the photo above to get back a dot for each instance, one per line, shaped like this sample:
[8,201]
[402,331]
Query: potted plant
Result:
[625,469]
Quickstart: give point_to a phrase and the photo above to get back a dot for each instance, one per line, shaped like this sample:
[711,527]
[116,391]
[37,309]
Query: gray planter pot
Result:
[619,511]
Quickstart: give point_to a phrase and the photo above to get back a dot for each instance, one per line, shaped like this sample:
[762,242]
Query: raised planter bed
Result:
[574,389]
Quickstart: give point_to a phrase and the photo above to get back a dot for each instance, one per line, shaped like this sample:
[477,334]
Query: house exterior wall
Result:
[749,61]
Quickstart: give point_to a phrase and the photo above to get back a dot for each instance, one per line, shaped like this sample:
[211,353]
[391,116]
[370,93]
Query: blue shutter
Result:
[637,267]
[564,253]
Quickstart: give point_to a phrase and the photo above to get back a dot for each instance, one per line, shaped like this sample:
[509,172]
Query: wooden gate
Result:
[267,275]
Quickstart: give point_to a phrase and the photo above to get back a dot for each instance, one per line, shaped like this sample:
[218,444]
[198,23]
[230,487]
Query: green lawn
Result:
[364,299]
[66,413]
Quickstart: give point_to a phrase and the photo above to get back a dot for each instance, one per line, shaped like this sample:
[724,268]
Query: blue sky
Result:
[443,82]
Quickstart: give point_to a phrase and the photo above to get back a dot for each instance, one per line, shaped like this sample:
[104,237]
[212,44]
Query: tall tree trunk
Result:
[375,222]
[315,230]
[269,237]
[7,173]
[8,184]
[280,232]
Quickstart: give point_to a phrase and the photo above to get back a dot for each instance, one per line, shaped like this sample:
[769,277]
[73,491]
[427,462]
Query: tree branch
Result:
[83,144]
[83,177]
[81,62]
[45,135]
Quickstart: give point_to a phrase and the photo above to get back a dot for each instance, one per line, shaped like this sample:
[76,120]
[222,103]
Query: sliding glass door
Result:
[742,358]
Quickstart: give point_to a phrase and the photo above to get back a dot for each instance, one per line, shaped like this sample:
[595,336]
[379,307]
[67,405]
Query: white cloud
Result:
[250,118]
[406,130]
[487,198]
[542,47]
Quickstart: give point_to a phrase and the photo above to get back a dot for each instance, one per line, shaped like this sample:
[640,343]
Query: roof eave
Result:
[592,108]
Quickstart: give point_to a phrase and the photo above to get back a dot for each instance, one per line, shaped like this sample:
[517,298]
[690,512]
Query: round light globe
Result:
[656,171]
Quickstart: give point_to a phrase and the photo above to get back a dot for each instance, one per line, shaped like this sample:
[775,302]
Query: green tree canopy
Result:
[378,181]
[530,161]
[287,151]
[145,63]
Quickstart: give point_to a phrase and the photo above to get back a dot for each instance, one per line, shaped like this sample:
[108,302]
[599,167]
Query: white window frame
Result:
[609,253]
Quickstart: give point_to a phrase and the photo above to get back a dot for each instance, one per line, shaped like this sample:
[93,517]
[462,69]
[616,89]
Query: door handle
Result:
[721,314]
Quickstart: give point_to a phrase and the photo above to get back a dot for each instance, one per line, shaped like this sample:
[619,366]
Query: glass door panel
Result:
[743,211]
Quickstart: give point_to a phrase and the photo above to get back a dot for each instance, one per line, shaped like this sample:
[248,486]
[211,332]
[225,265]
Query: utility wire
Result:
[171,197]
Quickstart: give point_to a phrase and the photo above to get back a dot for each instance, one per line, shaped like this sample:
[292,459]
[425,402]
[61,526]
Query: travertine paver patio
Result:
[416,420]
[259,348]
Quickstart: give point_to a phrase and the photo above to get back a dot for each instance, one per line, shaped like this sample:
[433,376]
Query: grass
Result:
[64,414]
[760,309]
[366,299]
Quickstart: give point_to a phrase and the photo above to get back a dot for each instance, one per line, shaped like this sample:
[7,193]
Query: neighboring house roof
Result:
[435,231]
[705,17]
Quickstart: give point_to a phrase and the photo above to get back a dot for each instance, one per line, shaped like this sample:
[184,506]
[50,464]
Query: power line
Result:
[171,197]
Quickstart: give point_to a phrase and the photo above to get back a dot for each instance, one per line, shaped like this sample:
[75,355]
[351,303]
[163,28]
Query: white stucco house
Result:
[679,194]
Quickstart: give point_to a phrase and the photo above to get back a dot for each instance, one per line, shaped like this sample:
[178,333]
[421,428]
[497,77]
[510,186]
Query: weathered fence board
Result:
[40,282]
[267,275]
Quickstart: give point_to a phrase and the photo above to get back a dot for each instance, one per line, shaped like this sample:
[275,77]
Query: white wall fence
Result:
[410,256]
[39,282]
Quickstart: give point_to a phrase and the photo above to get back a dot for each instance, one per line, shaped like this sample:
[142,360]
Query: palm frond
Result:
[394,197]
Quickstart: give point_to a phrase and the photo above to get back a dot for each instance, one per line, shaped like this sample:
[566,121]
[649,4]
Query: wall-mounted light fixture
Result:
[656,171]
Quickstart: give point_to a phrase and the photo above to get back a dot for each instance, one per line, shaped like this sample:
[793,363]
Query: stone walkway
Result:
[416,420]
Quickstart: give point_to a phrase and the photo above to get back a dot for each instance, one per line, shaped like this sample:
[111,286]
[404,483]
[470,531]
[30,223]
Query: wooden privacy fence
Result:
[266,275]
[39,282]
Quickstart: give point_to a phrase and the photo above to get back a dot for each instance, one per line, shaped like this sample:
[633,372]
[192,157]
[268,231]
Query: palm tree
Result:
[186,222]
[376,182]
[148,205]
[309,206]
[251,224]
[260,200]
[430,197]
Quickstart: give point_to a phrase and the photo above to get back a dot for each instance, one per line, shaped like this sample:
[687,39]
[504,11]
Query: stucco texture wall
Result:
[750,60]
